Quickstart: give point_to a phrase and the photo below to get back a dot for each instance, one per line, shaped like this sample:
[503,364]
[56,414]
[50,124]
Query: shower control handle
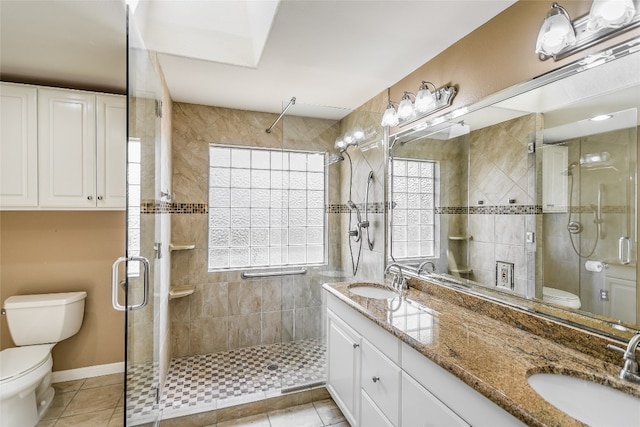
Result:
[375,379]
[356,345]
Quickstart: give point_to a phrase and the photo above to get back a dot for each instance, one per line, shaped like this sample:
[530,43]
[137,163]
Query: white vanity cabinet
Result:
[81,149]
[420,408]
[343,367]
[18,146]
[377,380]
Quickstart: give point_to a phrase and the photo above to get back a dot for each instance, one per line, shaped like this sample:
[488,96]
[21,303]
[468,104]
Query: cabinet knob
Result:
[356,345]
[375,379]
[89,197]
[99,197]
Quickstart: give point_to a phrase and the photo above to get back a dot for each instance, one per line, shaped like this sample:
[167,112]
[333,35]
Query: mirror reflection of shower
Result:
[359,224]
[574,226]
[588,177]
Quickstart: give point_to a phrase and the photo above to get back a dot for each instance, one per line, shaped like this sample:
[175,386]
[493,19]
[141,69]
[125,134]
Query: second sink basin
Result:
[371,290]
[592,403]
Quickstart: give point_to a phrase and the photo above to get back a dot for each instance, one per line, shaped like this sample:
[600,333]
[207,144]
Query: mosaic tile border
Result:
[158,206]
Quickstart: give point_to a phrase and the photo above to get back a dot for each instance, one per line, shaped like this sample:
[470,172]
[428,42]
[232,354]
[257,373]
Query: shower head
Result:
[334,158]
[569,171]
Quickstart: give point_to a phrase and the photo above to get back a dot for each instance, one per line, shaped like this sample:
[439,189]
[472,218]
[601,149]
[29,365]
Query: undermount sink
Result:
[592,403]
[370,290]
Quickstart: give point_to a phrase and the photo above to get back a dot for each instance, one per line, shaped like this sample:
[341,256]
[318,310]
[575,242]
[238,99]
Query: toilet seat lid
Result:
[559,294]
[18,360]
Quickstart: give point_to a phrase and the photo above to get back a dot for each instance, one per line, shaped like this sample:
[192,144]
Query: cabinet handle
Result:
[356,345]
[89,197]
[99,197]
[375,379]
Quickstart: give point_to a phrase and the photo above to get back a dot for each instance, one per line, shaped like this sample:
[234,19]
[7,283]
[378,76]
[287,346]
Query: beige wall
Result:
[60,252]
[497,55]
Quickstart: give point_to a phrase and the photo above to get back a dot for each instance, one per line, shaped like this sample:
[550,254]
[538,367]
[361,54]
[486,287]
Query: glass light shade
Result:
[405,108]
[555,34]
[358,134]
[340,144]
[349,139]
[389,118]
[424,101]
[610,14]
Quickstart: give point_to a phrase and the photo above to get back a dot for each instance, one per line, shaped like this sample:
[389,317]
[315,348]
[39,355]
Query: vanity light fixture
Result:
[556,32]
[559,37]
[424,102]
[610,14]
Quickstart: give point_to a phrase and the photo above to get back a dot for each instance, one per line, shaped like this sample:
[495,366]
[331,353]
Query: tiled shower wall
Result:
[502,203]
[225,311]
[367,157]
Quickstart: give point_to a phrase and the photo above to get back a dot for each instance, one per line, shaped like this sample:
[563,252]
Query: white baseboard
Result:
[87,372]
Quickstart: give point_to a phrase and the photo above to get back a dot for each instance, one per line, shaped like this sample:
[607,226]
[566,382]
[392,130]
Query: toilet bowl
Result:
[560,297]
[36,324]
[25,374]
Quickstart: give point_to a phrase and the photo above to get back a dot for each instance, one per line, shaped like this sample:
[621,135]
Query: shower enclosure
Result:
[588,176]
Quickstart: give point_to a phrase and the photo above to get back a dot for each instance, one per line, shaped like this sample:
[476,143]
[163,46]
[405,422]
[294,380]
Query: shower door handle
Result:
[624,250]
[115,283]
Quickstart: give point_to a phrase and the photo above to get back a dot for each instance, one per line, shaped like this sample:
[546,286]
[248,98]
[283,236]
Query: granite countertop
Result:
[489,355]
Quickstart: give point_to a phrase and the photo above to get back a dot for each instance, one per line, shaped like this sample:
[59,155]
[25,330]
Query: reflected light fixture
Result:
[601,118]
[556,32]
[610,14]
[405,108]
[414,106]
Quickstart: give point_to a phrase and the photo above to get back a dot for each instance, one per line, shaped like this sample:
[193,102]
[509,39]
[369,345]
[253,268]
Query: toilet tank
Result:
[44,318]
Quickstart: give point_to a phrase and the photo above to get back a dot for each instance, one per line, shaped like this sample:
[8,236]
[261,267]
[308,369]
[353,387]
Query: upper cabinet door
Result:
[18,146]
[111,150]
[67,149]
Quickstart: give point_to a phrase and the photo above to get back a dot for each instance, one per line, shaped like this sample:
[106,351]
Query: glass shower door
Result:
[142,285]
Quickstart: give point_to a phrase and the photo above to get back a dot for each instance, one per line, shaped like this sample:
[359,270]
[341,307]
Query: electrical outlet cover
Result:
[504,274]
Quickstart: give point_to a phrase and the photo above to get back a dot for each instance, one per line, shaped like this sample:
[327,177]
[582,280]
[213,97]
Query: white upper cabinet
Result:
[62,149]
[111,150]
[18,146]
[67,148]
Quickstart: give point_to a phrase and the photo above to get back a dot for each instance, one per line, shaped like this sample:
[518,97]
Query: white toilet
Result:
[560,297]
[36,323]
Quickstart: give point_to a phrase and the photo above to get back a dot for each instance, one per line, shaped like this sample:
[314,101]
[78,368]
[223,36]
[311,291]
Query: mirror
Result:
[525,197]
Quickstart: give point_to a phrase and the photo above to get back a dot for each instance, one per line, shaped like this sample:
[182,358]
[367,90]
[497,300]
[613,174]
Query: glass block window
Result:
[414,200]
[266,207]
[133,204]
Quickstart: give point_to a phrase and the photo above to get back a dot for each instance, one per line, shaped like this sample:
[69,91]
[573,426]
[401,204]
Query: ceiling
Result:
[251,55]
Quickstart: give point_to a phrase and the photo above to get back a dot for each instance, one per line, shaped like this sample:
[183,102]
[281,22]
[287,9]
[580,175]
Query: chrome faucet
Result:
[425,263]
[399,282]
[629,371]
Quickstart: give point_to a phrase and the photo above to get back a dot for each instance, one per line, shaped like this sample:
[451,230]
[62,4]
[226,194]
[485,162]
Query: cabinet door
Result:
[381,380]
[111,151]
[67,149]
[422,409]
[372,416]
[18,146]
[343,380]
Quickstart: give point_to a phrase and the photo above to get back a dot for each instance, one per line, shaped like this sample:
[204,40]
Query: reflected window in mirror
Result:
[414,220]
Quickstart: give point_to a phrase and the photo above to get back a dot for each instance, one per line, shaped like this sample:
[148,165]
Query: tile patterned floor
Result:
[210,381]
[91,402]
[316,414]
[199,383]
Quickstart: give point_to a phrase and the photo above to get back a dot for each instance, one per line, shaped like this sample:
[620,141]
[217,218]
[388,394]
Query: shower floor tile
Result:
[210,381]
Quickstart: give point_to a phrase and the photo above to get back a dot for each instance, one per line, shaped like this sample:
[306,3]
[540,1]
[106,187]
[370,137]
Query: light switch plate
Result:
[504,274]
